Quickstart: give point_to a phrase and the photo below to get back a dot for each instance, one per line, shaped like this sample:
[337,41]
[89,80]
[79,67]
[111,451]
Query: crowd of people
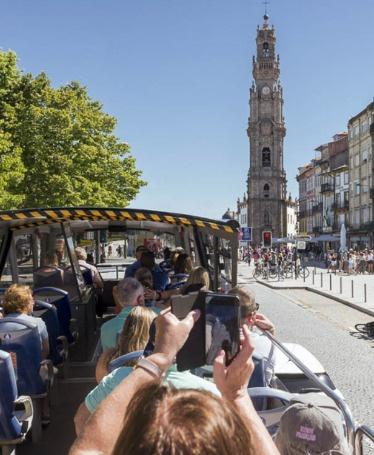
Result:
[349,261]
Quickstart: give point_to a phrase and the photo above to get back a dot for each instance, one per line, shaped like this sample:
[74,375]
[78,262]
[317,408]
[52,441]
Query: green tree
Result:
[57,146]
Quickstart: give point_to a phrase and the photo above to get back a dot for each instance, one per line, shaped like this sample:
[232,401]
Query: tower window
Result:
[266,162]
[266,190]
[266,217]
[265,49]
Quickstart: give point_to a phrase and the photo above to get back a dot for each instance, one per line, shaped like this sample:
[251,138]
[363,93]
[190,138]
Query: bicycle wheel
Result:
[273,273]
[288,271]
[303,271]
[256,273]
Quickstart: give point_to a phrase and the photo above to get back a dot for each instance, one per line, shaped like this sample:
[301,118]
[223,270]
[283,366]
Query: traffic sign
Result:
[301,244]
[246,233]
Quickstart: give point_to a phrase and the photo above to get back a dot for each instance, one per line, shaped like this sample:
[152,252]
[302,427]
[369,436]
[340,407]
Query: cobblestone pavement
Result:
[347,357]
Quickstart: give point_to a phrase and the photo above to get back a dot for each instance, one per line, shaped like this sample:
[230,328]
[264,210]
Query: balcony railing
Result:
[340,206]
[317,229]
[301,214]
[317,208]
[325,187]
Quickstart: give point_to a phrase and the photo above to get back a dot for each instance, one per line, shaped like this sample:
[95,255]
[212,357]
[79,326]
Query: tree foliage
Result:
[57,146]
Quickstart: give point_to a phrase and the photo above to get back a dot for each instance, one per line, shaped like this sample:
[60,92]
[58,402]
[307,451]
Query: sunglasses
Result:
[257,306]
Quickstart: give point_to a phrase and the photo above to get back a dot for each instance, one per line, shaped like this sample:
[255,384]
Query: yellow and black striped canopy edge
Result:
[42,216]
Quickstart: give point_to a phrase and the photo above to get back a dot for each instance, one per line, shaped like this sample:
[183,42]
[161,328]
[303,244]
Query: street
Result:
[301,317]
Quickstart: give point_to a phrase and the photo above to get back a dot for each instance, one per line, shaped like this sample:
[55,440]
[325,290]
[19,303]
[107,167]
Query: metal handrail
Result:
[351,429]
[362,431]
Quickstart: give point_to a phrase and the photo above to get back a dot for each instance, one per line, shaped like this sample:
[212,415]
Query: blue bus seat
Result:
[47,275]
[60,299]
[14,425]
[258,380]
[22,338]
[2,292]
[119,361]
[177,280]
[58,344]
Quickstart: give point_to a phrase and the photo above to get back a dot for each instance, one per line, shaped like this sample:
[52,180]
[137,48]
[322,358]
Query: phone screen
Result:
[222,327]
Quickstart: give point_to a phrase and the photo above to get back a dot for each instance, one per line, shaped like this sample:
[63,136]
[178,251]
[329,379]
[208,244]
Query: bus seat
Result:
[60,299]
[14,425]
[177,280]
[21,338]
[58,344]
[87,275]
[258,380]
[116,363]
[47,275]
[2,292]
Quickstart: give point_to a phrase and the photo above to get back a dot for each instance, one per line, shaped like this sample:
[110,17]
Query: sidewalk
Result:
[337,286]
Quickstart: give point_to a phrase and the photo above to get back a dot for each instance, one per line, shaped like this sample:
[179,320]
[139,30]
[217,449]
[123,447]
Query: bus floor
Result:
[66,396]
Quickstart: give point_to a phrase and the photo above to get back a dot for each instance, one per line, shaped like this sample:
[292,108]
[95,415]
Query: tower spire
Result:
[266,3]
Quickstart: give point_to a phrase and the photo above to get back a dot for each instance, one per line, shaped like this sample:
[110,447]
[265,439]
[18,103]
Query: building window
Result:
[364,126]
[365,156]
[357,216]
[346,177]
[357,188]
[266,162]
[337,180]
[365,217]
[356,130]
[265,49]
[357,159]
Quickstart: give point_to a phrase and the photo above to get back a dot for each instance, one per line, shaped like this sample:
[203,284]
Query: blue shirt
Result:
[110,329]
[176,379]
[132,268]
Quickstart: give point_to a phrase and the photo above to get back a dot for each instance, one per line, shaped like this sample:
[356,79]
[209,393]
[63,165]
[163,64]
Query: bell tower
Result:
[266,183]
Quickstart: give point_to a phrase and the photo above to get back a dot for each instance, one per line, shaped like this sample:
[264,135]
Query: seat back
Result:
[60,299]
[47,275]
[2,292]
[10,428]
[116,363]
[22,338]
[48,313]
[87,275]
[258,379]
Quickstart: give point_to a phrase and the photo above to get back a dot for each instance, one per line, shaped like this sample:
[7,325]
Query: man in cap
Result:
[311,424]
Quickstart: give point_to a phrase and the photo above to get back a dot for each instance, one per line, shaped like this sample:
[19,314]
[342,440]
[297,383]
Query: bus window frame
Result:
[77,273]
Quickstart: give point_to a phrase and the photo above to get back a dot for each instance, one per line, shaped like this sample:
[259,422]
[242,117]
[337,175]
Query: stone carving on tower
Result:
[267,184]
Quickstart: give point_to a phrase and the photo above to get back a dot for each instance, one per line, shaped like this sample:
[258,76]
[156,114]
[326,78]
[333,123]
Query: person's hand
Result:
[232,381]
[149,294]
[264,323]
[171,334]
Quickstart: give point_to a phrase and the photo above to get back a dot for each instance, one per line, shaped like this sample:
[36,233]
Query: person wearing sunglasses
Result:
[250,316]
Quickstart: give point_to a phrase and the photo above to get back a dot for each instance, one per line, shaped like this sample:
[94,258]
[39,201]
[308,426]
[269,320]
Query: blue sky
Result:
[177,73]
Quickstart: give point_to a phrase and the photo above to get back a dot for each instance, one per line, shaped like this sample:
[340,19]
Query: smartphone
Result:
[217,328]
[222,326]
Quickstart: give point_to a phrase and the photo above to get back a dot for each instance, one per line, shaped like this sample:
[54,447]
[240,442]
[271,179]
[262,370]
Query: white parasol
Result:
[343,238]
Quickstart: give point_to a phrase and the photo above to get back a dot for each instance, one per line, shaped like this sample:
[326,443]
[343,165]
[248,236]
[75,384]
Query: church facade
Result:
[266,183]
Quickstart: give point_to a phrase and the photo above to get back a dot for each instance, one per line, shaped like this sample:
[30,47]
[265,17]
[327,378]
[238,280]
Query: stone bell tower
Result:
[267,184]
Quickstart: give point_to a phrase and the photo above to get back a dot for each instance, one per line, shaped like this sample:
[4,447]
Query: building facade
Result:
[266,183]
[361,191]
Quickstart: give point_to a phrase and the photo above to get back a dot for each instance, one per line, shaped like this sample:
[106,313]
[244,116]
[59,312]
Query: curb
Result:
[324,294]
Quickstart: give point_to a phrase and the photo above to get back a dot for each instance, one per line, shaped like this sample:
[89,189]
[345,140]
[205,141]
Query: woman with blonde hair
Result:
[134,337]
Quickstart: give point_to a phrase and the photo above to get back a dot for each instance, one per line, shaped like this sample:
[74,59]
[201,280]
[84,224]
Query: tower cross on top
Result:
[266,3]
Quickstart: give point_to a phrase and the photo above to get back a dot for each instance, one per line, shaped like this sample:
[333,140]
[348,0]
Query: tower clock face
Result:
[266,90]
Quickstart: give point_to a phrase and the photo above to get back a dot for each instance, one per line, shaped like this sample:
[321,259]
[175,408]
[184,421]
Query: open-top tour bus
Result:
[110,236]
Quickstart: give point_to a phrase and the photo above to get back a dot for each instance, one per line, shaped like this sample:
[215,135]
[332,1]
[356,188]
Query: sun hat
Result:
[311,424]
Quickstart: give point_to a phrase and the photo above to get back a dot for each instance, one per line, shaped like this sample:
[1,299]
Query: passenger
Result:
[249,316]
[144,275]
[81,255]
[60,250]
[128,294]
[132,268]
[134,337]
[183,264]
[311,424]
[162,421]
[160,279]
[197,280]
[18,303]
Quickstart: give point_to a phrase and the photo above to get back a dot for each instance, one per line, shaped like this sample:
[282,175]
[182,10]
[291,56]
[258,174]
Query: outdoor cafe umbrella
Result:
[343,238]
[324,238]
